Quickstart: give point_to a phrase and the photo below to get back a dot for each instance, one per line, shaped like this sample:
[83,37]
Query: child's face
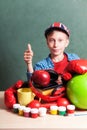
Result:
[57,42]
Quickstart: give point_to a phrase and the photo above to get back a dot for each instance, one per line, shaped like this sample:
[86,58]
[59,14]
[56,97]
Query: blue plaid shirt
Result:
[47,63]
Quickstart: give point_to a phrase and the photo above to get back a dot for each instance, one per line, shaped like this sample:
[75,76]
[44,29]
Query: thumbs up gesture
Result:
[28,55]
[29,48]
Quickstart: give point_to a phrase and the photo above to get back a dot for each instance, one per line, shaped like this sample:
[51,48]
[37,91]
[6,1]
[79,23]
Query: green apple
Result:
[77,91]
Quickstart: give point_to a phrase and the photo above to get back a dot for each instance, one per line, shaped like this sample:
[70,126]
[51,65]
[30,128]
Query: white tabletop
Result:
[12,121]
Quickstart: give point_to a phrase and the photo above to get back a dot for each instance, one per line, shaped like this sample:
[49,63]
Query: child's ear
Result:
[67,42]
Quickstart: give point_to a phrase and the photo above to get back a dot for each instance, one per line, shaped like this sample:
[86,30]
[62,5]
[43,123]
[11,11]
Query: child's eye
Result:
[60,40]
[51,40]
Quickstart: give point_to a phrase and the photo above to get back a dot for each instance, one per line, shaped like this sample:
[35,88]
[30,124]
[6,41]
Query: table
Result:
[12,121]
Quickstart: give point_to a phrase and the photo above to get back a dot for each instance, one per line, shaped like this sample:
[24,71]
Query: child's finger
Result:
[29,47]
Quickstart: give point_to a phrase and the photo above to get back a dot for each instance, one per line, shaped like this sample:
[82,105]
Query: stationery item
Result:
[34,112]
[62,110]
[26,112]
[15,107]
[20,110]
[70,110]
[53,110]
[81,113]
[42,111]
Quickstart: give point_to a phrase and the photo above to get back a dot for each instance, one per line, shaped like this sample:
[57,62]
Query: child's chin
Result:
[56,53]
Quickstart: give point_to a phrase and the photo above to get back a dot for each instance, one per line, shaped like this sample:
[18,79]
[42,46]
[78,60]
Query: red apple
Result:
[41,77]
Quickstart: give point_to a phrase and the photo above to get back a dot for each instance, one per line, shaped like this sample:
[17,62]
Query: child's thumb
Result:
[29,47]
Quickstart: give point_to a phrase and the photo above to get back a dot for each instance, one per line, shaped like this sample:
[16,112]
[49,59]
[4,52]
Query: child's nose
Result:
[56,43]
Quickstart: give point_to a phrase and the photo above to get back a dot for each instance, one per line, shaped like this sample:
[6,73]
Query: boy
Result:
[57,38]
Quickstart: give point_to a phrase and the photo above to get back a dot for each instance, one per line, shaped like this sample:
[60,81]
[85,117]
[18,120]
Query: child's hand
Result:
[28,55]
